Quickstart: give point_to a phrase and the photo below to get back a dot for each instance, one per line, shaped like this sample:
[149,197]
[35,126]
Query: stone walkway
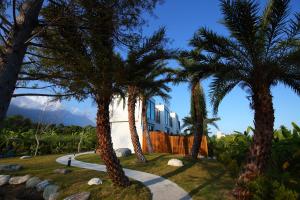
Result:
[161,188]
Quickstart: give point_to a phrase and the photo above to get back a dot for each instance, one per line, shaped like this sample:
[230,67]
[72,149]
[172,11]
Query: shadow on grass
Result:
[180,169]
[207,183]
[156,158]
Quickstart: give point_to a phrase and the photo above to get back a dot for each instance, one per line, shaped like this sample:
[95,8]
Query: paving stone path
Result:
[161,188]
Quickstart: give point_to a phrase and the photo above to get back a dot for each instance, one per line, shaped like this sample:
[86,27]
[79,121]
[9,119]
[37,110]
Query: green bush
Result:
[18,137]
[265,188]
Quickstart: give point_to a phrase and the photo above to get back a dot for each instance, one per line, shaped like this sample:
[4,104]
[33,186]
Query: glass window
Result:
[150,110]
[167,117]
[157,115]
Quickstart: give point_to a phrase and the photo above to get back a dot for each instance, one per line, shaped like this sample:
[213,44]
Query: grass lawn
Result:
[205,179]
[76,181]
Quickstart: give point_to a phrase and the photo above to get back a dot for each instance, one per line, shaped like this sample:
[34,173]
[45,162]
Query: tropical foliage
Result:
[18,137]
[261,51]
[283,170]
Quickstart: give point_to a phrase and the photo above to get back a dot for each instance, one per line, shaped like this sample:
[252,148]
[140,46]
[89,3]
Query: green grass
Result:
[76,181]
[203,180]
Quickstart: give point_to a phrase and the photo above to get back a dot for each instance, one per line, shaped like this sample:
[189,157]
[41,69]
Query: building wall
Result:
[120,127]
[119,124]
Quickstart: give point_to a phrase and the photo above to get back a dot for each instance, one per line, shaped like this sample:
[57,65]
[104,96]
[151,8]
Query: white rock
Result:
[54,196]
[18,179]
[4,179]
[123,152]
[175,162]
[79,196]
[32,182]
[95,181]
[42,185]
[50,190]
[25,157]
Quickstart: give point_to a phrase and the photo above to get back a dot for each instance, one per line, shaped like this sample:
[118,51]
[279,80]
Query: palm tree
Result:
[188,124]
[85,64]
[195,68]
[158,88]
[262,51]
[141,68]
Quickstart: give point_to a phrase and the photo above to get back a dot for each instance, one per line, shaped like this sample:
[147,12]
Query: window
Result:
[167,118]
[171,122]
[150,110]
[157,115]
[150,127]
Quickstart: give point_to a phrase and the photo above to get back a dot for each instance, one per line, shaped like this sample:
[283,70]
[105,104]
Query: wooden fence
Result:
[164,143]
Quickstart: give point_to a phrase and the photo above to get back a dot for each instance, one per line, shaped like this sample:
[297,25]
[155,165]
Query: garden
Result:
[102,52]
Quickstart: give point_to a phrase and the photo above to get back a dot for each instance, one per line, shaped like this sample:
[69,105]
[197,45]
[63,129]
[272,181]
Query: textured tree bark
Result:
[11,60]
[131,120]
[145,125]
[198,121]
[260,149]
[114,169]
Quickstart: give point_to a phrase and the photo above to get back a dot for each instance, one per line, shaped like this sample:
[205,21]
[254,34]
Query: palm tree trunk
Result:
[145,125]
[260,149]
[131,120]
[198,120]
[14,51]
[114,169]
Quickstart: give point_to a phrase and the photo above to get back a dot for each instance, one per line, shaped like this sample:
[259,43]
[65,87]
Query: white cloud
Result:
[41,103]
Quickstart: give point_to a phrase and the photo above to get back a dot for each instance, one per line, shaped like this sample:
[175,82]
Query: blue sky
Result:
[181,19]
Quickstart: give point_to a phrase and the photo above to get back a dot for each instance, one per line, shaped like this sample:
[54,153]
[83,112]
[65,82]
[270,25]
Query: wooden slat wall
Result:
[164,143]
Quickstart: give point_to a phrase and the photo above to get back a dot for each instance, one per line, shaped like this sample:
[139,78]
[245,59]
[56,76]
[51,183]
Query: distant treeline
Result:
[20,136]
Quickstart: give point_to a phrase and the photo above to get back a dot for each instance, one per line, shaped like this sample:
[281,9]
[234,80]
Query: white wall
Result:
[119,124]
[120,128]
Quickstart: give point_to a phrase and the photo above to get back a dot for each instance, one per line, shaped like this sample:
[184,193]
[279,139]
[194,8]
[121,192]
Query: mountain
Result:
[32,109]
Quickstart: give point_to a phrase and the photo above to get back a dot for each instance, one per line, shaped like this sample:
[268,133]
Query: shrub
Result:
[266,188]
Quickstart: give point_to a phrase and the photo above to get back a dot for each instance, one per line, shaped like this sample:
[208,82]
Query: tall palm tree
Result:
[262,51]
[141,67]
[159,88]
[195,67]
[85,63]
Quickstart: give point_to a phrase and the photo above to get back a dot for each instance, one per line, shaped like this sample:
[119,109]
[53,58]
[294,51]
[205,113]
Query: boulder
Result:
[79,196]
[54,196]
[175,162]
[32,182]
[10,167]
[25,157]
[42,185]
[62,171]
[50,190]
[4,179]
[18,179]
[95,181]
[123,152]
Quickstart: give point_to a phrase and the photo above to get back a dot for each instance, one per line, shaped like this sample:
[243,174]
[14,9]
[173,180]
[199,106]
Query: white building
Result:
[160,118]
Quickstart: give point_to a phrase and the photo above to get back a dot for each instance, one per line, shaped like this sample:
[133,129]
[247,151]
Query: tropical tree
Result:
[261,51]
[84,61]
[195,67]
[15,37]
[188,124]
[158,88]
[144,64]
